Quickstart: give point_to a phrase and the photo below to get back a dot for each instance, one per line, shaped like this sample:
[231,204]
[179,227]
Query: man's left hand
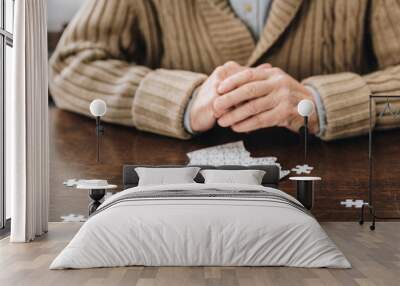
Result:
[262,97]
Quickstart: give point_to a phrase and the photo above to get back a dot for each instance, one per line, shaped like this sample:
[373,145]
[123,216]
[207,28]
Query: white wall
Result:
[60,12]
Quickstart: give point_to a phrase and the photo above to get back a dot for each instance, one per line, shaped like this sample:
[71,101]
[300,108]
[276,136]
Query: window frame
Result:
[6,39]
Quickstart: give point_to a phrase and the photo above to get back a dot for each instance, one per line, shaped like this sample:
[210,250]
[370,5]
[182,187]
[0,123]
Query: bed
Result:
[201,224]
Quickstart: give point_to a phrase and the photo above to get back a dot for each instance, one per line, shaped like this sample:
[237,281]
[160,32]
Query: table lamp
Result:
[305,185]
[305,109]
[98,108]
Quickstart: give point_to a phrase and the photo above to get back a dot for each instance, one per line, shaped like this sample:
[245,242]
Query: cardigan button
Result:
[248,8]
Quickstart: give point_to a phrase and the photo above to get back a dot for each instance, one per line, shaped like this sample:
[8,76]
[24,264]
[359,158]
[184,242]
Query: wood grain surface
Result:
[375,258]
[343,165]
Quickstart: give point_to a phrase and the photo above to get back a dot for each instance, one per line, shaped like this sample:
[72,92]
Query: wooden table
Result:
[343,165]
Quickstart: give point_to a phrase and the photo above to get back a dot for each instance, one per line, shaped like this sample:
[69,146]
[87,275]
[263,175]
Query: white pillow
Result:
[248,177]
[164,176]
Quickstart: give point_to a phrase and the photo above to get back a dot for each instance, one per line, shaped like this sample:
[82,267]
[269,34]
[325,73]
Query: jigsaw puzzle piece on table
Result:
[302,169]
[70,183]
[73,218]
[233,153]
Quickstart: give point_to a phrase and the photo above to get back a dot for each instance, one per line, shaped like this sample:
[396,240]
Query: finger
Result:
[231,64]
[265,119]
[241,78]
[227,69]
[264,66]
[247,110]
[218,115]
[241,94]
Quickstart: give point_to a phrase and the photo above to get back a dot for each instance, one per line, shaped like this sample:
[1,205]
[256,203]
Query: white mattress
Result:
[203,231]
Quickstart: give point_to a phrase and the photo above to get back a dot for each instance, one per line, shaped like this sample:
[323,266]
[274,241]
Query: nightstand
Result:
[97,190]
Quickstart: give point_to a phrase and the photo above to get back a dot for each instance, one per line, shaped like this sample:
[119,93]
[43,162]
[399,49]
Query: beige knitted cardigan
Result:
[145,57]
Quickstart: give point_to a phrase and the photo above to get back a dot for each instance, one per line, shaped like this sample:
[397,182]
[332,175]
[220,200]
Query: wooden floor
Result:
[375,257]
[343,164]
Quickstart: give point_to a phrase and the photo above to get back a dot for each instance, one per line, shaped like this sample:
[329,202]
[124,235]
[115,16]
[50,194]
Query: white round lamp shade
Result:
[98,107]
[305,107]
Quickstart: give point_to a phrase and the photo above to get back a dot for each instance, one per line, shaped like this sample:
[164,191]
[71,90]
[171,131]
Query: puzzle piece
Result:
[283,173]
[350,203]
[73,218]
[70,182]
[233,153]
[229,149]
[302,169]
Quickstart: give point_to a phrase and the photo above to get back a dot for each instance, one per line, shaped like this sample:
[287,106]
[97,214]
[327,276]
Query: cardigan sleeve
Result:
[108,51]
[346,95]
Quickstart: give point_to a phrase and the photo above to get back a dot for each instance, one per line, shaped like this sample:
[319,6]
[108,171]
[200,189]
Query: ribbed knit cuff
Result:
[346,101]
[320,109]
[186,120]
[160,101]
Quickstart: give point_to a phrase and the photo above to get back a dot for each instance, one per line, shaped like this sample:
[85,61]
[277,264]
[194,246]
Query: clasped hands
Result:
[246,99]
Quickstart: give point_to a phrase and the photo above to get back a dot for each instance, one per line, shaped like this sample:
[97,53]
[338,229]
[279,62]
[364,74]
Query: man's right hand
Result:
[202,116]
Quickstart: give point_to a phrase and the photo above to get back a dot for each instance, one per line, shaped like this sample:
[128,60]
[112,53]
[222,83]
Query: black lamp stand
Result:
[305,187]
[369,204]
[305,137]
[99,133]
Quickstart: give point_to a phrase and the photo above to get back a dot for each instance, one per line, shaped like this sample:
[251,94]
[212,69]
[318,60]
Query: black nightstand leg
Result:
[96,196]
[361,221]
[305,193]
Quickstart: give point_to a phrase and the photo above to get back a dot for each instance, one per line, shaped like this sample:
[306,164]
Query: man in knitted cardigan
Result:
[178,67]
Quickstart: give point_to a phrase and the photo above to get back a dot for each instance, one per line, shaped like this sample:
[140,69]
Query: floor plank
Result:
[375,257]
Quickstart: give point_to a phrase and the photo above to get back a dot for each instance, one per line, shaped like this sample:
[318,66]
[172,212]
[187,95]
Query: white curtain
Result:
[27,156]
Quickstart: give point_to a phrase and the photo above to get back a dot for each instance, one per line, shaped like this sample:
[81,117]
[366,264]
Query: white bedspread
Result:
[185,231]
